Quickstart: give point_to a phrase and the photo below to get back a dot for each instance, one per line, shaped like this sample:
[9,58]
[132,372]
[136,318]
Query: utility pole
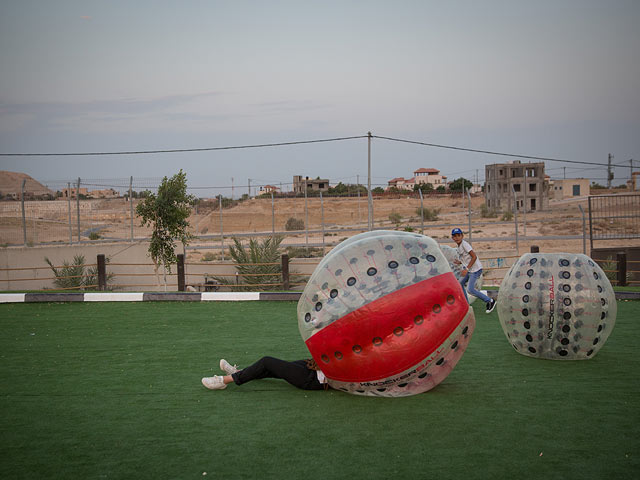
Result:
[231,188]
[249,188]
[609,172]
[370,222]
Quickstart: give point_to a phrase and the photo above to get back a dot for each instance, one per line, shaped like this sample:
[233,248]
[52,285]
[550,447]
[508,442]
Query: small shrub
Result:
[507,216]
[294,224]
[486,212]
[409,228]
[94,236]
[395,217]
[429,214]
[209,257]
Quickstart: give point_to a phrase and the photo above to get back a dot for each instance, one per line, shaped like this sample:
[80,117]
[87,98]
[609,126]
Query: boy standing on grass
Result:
[472,269]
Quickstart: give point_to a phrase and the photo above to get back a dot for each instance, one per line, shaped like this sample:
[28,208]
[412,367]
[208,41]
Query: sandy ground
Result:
[49,221]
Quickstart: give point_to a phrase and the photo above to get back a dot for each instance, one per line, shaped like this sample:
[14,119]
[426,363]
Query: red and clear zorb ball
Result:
[383,315]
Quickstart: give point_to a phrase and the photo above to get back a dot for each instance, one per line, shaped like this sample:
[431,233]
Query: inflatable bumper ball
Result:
[383,315]
[556,306]
[451,254]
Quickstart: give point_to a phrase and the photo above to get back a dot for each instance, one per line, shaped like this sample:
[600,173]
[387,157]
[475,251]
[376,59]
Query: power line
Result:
[488,152]
[181,150]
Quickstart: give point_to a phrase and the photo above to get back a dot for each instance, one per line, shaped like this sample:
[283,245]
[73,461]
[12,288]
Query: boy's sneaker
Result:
[228,368]
[214,383]
[491,305]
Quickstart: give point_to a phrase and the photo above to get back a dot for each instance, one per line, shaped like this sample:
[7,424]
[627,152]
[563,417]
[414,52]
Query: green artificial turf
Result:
[112,390]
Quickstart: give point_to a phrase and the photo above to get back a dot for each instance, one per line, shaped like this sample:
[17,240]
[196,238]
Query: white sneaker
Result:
[214,383]
[228,368]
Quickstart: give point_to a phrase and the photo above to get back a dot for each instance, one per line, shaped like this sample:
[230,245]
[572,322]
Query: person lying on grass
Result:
[303,374]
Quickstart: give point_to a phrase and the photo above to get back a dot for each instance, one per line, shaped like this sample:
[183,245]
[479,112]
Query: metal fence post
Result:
[24,218]
[69,205]
[78,207]
[515,215]
[131,203]
[221,227]
[102,272]
[421,212]
[322,221]
[584,231]
[273,216]
[469,207]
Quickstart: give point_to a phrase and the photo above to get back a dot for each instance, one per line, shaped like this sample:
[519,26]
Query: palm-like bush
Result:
[257,265]
[76,274]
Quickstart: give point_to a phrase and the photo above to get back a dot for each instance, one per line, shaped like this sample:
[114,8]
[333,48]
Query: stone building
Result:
[310,184]
[524,180]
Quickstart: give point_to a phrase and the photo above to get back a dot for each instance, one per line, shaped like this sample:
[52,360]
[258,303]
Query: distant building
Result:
[107,193]
[269,189]
[525,181]
[568,188]
[301,184]
[634,183]
[420,176]
[72,192]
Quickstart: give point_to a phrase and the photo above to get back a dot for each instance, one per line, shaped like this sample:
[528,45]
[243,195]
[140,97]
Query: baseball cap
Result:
[456,231]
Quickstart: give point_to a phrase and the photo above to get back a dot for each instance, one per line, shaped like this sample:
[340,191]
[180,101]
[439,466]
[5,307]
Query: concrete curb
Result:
[188,297]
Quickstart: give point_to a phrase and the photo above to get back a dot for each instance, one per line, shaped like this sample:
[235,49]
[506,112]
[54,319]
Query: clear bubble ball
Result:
[557,306]
[383,315]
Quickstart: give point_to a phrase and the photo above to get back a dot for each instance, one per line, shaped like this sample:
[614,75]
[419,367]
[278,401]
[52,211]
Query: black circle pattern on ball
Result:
[465,330]
[564,262]
[318,306]
[530,272]
[357,349]
[567,301]
[599,328]
[563,353]
[307,317]
[566,287]
[338,355]
[333,293]
[440,362]
[377,341]
[564,274]
[602,315]
[351,281]
[527,325]
[532,261]
[525,298]
[372,271]
[414,260]
[454,345]
[393,264]
[596,340]
[525,312]
[527,285]
[418,320]
[451,299]
[532,350]
[529,337]
[324,358]
[566,328]
[437,308]
[599,289]
[595,275]
[398,331]
[431,258]
[564,341]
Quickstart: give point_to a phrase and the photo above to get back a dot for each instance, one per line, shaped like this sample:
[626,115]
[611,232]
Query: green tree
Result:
[424,187]
[167,212]
[456,185]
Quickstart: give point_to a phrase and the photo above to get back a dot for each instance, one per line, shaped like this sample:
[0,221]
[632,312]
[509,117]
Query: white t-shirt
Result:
[463,251]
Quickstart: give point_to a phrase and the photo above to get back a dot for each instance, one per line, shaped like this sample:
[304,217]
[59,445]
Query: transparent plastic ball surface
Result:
[383,315]
[451,254]
[556,306]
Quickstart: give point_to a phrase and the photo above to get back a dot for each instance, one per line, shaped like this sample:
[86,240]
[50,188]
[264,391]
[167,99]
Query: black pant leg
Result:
[296,373]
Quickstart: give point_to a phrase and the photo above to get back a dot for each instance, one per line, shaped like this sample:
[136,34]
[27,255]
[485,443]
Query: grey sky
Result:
[551,78]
